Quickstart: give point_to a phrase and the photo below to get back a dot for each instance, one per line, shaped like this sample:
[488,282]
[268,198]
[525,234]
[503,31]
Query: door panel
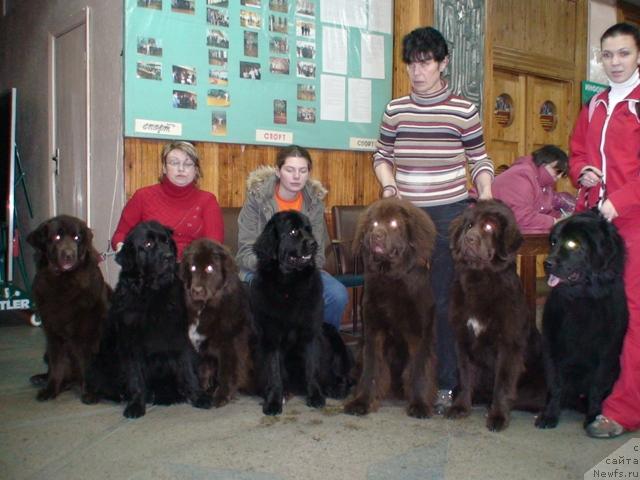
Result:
[547,112]
[507,130]
[541,130]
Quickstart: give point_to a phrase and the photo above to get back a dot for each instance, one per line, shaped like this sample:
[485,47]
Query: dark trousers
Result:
[441,280]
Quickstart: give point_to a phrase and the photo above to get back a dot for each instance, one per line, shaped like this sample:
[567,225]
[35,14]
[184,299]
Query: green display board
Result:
[311,72]
[589,89]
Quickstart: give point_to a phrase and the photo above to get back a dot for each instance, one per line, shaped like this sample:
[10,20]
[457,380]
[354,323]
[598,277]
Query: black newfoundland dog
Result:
[219,320]
[145,355]
[585,316]
[296,352]
[496,338]
[71,298]
[396,240]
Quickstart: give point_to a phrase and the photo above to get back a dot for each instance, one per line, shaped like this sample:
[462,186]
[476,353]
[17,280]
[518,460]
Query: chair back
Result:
[230,220]
[345,222]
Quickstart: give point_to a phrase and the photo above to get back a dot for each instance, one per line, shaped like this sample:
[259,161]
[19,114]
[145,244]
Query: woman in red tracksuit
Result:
[605,164]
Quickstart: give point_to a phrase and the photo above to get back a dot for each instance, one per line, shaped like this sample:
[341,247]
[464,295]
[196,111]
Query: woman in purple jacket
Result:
[528,187]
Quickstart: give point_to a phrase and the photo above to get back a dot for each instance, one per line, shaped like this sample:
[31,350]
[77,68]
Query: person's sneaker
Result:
[443,401]
[603,427]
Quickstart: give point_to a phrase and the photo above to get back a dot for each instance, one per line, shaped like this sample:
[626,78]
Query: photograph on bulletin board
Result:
[311,72]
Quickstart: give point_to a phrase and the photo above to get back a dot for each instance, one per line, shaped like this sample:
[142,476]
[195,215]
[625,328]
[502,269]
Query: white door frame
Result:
[73,21]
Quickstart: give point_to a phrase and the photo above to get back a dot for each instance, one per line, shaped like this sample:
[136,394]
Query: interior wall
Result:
[24,64]
[602,14]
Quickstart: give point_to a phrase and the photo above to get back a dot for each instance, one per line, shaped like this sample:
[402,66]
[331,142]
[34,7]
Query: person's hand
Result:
[483,186]
[590,177]
[389,191]
[485,195]
[608,211]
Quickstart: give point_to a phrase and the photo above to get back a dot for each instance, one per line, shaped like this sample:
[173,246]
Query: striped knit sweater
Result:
[429,140]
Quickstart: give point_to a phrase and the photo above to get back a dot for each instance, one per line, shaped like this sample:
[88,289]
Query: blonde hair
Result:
[188,149]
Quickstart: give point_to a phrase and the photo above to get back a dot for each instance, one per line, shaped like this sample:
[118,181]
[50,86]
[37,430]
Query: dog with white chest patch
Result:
[488,312]
[218,315]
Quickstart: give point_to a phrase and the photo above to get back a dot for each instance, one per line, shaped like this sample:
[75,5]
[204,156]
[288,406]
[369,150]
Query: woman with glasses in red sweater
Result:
[175,202]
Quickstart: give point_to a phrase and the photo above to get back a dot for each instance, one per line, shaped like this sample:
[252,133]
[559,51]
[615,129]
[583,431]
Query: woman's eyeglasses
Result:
[559,172]
[177,164]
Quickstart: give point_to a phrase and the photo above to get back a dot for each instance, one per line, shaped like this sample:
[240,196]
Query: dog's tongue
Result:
[67,266]
[553,280]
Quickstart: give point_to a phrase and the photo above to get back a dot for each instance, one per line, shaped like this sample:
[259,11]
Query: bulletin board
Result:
[312,72]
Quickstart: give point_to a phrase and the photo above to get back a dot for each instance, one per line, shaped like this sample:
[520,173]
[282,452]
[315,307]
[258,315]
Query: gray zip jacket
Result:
[260,205]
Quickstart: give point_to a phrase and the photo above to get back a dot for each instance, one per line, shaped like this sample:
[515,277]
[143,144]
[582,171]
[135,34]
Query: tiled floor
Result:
[64,439]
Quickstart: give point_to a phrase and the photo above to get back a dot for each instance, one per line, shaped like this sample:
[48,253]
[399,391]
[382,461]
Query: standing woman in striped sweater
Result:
[427,140]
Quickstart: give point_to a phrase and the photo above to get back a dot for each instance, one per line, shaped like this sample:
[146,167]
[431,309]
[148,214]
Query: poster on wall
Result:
[312,72]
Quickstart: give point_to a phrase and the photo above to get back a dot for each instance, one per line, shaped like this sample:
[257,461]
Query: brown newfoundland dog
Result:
[395,240]
[218,313]
[494,332]
[71,298]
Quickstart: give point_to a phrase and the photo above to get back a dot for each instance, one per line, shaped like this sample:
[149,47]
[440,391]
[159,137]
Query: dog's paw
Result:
[497,422]
[272,408]
[316,400]
[338,391]
[46,394]
[546,421]
[457,411]
[419,410]
[357,407]
[221,396]
[204,401]
[134,410]
[40,380]
[89,398]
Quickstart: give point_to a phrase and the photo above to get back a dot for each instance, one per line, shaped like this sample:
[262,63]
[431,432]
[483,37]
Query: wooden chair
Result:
[349,268]
[230,220]
[533,245]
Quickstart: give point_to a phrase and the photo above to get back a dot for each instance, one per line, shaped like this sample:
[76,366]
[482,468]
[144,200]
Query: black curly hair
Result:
[424,43]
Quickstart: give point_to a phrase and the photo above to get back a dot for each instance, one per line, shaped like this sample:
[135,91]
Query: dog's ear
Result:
[38,238]
[229,266]
[86,245]
[455,230]
[172,243]
[364,222]
[266,245]
[512,237]
[613,250]
[229,272]
[185,265]
[421,232]
[126,257]
[87,233]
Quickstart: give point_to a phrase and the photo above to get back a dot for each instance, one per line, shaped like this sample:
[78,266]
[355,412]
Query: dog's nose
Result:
[197,291]
[377,235]
[67,254]
[548,264]
[472,239]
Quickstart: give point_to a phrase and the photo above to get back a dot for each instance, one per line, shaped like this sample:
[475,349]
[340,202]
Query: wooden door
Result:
[528,112]
[547,121]
[549,103]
